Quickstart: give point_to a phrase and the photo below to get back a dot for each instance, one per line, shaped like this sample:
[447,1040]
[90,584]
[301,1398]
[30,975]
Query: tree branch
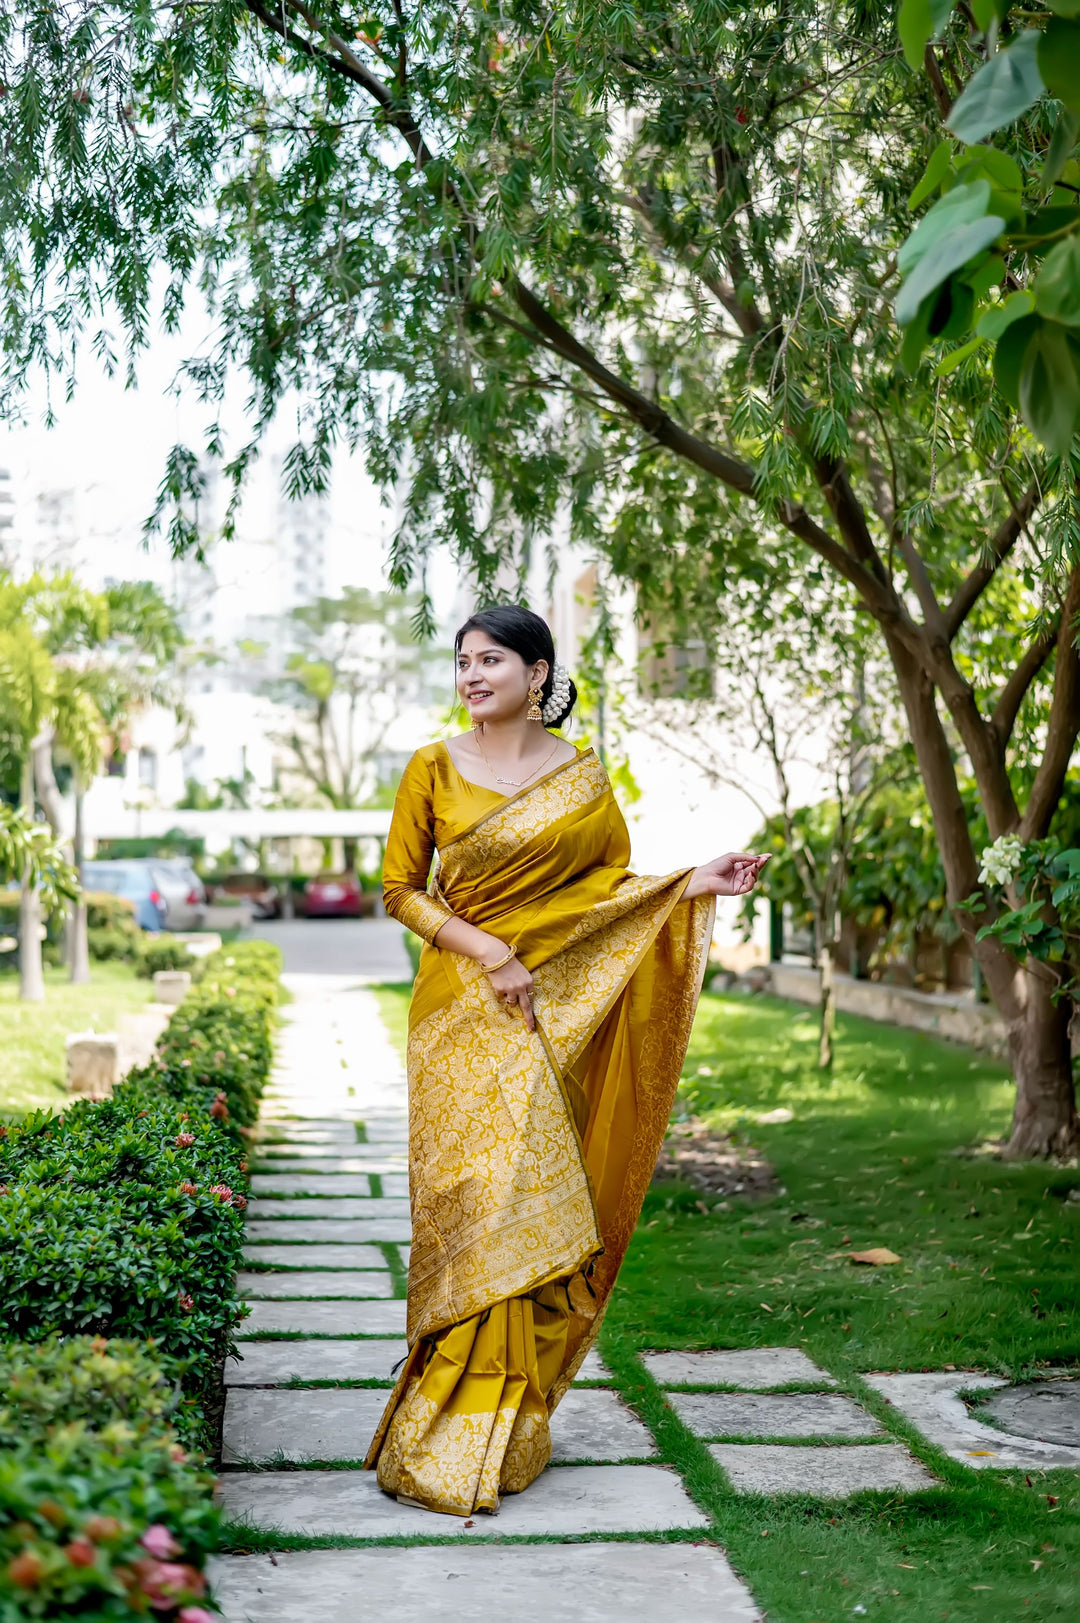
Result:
[937,83]
[1006,537]
[1012,694]
[1064,724]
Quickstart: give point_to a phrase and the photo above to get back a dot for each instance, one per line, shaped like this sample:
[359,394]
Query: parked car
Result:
[134,880]
[257,888]
[183,891]
[334,895]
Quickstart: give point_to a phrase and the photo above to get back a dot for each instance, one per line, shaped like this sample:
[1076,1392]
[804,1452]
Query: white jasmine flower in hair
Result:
[1001,861]
[559,697]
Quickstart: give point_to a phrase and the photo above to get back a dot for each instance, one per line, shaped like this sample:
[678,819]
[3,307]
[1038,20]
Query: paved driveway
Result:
[372,948]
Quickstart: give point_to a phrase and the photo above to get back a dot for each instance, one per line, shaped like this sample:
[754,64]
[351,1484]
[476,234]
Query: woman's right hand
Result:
[513,985]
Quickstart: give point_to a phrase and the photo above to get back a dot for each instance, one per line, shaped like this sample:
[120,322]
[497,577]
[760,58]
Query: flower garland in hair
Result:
[559,697]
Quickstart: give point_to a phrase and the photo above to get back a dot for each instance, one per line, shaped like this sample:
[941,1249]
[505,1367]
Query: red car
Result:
[334,896]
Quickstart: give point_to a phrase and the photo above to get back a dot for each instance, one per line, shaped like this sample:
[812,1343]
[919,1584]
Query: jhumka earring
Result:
[534,713]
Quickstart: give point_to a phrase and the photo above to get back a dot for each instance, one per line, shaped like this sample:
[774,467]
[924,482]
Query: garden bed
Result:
[121,1230]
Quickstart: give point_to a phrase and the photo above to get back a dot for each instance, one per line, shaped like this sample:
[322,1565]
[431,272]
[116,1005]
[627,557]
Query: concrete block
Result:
[276,1363]
[323,1318]
[315,1256]
[171,986]
[826,1473]
[329,1230]
[200,943]
[93,1062]
[301,1283]
[609,1583]
[311,1183]
[367,1157]
[275,1165]
[753,1369]
[594,1368]
[313,1206]
[772,1414]
[566,1500]
[396,1183]
[592,1424]
[932,1403]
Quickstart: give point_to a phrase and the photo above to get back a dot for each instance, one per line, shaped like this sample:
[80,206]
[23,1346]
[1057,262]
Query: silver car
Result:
[183,894]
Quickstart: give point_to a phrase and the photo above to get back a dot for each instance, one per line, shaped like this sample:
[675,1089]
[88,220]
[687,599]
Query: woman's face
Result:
[493,682]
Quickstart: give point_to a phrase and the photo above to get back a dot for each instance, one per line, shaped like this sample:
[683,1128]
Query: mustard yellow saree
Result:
[530,1152]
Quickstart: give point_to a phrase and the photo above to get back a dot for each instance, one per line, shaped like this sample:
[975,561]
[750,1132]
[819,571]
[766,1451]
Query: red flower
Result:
[219,1110]
[741,115]
[26,1570]
[222,1191]
[164,1583]
[188,1188]
[103,1527]
[183,1140]
[5,1189]
[80,1552]
[185,1301]
[239,1201]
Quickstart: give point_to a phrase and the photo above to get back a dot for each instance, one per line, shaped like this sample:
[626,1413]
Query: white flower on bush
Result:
[1001,860]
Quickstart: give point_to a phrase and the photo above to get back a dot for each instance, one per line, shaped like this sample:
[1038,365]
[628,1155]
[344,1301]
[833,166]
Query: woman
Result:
[547,1032]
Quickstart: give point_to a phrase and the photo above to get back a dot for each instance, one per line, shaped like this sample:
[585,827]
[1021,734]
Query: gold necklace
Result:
[512,783]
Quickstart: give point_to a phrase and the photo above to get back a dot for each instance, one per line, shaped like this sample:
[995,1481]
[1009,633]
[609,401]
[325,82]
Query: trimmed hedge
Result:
[124,1217]
[161,952]
[102,1513]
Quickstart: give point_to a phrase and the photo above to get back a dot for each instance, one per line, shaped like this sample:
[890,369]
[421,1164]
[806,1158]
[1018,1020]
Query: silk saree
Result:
[529,1152]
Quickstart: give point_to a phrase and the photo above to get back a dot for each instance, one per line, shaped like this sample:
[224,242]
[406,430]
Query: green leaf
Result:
[945,257]
[1009,356]
[1059,61]
[1057,286]
[1003,88]
[958,207]
[996,322]
[999,168]
[917,336]
[987,11]
[953,311]
[933,175]
[985,275]
[1064,8]
[917,23]
[1050,387]
[1062,145]
[950,362]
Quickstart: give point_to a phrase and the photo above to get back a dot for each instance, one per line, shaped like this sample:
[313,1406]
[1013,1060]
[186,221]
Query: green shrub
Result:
[124,1218]
[111,930]
[161,952]
[102,1514]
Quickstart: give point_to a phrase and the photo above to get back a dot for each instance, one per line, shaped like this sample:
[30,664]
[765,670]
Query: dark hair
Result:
[524,633]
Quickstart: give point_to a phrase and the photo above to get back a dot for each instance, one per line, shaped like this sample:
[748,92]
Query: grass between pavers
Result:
[33,1075]
[987,1280]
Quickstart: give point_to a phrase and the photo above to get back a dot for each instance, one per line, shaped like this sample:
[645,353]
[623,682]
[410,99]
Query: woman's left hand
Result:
[731,875]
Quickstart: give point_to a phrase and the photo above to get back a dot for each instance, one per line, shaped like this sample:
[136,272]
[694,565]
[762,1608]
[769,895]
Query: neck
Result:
[514,739]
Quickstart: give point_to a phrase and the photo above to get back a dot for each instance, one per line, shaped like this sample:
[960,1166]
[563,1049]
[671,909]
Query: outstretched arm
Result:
[730,875]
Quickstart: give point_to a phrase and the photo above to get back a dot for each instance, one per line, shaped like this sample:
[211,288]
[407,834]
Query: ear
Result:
[539,673]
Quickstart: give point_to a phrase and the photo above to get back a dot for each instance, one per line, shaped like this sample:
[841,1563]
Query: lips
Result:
[484,693]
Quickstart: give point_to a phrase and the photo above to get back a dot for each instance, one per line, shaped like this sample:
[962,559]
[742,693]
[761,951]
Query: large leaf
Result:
[950,254]
[1064,8]
[933,175]
[996,322]
[1003,88]
[917,23]
[1009,357]
[1059,61]
[1050,387]
[1062,145]
[1057,286]
[958,207]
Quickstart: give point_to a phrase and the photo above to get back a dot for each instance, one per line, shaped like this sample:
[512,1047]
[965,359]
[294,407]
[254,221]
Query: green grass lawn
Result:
[32,1058]
[887,1151]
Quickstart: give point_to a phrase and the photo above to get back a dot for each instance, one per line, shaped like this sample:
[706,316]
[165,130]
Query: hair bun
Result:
[560,700]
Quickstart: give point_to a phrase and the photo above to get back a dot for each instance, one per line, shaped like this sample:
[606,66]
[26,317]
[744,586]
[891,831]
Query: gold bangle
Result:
[489,969]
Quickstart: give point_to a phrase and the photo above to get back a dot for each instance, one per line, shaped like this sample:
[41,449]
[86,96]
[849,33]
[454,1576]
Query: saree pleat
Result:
[530,1153]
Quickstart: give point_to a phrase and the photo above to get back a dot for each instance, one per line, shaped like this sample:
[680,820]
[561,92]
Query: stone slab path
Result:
[324,1275]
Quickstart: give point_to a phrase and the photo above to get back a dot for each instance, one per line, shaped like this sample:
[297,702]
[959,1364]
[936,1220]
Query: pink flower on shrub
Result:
[239,1201]
[196,1614]
[222,1191]
[188,1188]
[159,1542]
[80,1552]
[183,1140]
[164,1583]
[185,1301]
[178,1454]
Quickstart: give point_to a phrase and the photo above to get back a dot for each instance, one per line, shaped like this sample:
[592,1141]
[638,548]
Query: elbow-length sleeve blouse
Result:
[410,847]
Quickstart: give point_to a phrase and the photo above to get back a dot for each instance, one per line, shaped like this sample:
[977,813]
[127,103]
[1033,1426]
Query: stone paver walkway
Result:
[324,1273]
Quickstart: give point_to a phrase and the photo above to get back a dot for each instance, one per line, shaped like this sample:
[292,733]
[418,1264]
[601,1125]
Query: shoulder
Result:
[421,770]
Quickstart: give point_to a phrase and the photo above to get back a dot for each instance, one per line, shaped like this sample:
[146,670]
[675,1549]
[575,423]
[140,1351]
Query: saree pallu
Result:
[530,1152]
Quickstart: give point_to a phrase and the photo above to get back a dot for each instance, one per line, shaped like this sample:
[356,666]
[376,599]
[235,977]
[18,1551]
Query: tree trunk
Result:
[828,1007]
[1044,1120]
[78,936]
[348,846]
[31,972]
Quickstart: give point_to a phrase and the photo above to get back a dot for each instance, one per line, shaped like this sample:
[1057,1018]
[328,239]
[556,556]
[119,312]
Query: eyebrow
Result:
[494,649]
